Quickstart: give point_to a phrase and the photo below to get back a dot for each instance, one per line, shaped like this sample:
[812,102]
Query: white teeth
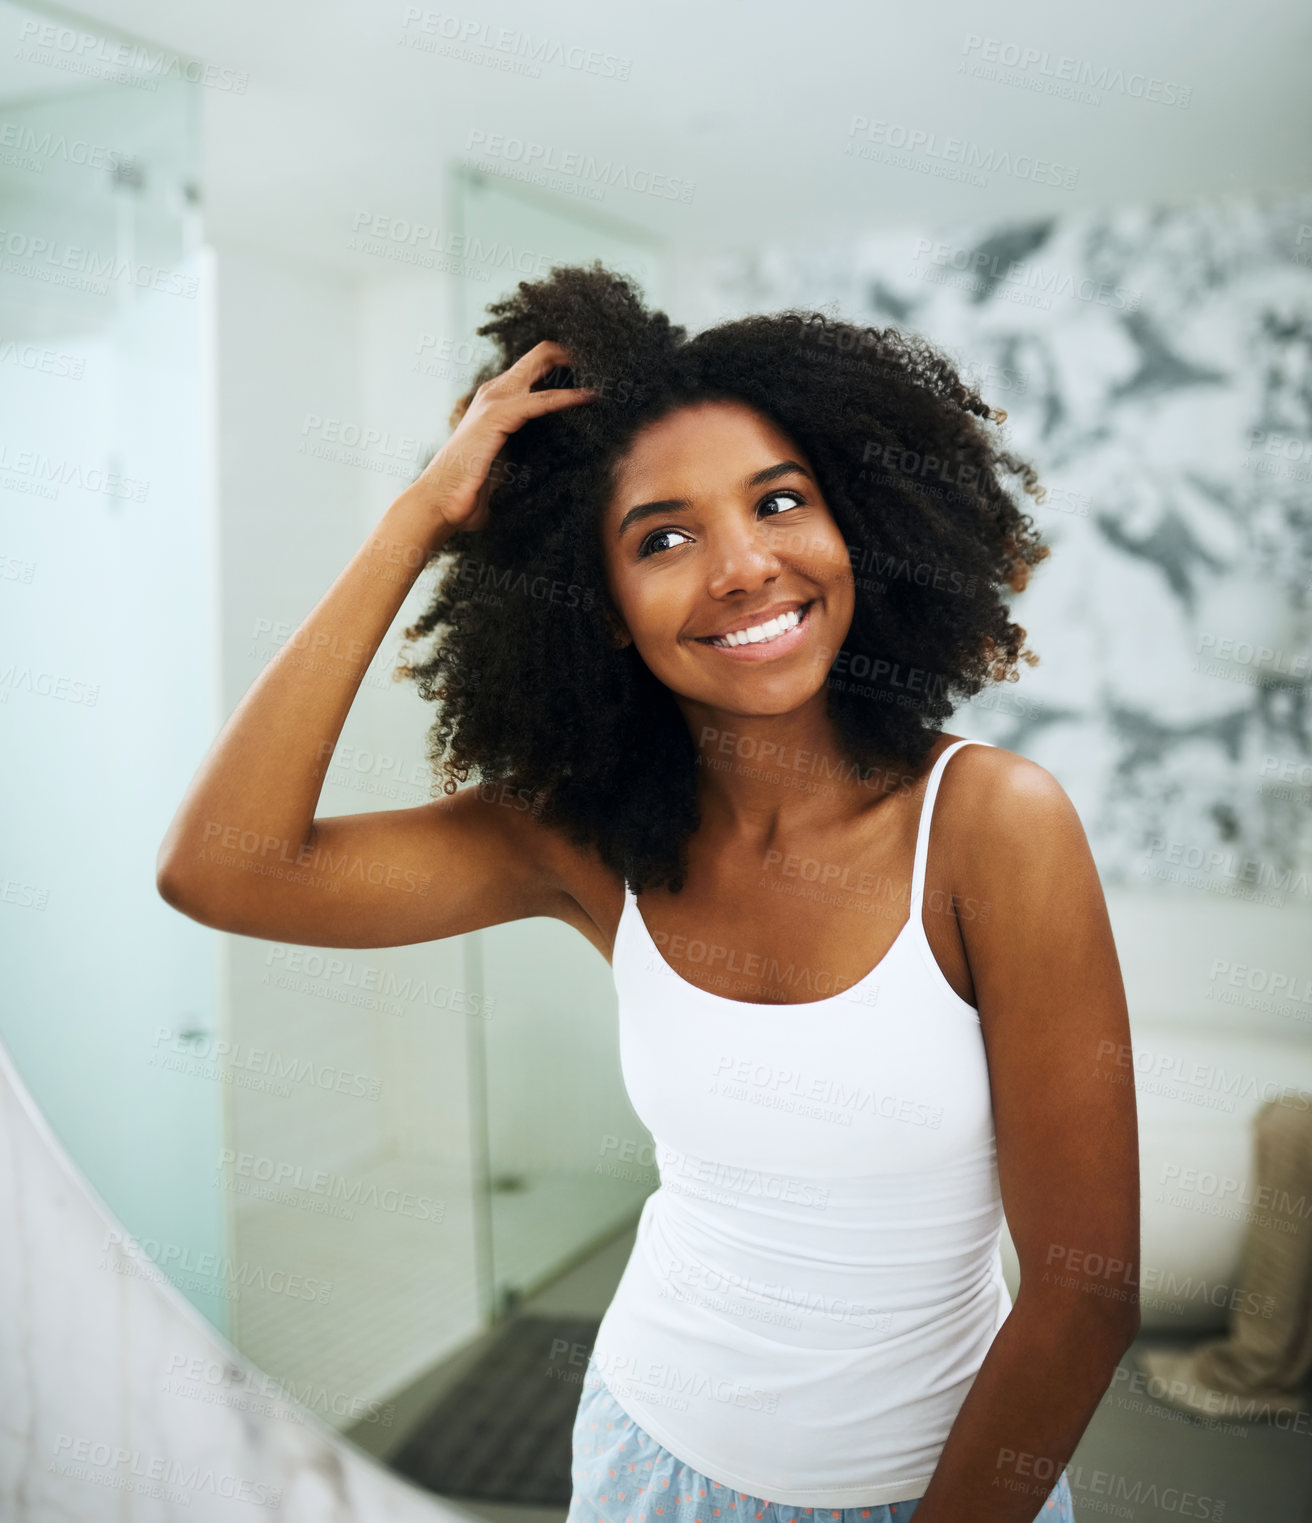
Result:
[758,633]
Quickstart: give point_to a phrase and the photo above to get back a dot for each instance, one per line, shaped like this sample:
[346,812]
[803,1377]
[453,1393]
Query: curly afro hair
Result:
[533,693]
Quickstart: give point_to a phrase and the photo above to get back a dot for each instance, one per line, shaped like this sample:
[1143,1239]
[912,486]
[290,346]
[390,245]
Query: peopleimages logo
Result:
[957,152]
[985,265]
[1062,74]
[44,146]
[482,41]
[544,158]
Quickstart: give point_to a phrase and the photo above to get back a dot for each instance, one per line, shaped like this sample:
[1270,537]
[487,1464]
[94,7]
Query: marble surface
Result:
[119,1400]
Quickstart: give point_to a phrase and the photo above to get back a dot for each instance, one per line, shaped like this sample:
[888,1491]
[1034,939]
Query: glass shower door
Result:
[566,1161]
[107,689]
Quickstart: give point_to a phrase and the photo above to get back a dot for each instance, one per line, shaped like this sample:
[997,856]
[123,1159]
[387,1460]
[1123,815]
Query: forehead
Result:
[711,438]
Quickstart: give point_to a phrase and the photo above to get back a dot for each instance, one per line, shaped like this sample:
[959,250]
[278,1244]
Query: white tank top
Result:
[816,1281]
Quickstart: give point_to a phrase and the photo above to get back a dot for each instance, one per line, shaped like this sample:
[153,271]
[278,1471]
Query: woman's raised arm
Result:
[245,851]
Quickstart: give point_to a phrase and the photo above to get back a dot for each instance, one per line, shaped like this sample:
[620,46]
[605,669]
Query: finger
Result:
[538,361]
[533,403]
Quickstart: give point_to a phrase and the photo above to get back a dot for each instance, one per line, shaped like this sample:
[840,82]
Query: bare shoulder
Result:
[988,788]
[1013,832]
[1003,813]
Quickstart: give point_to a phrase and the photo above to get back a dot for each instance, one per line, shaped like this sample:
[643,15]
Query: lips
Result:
[790,633]
[746,622]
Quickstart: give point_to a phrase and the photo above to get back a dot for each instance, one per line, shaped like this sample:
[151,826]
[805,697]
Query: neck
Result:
[764,775]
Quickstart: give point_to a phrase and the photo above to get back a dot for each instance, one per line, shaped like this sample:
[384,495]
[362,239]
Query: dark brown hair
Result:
[532,692]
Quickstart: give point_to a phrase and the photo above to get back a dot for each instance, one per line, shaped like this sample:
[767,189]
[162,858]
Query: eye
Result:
[651,544]
[797,497]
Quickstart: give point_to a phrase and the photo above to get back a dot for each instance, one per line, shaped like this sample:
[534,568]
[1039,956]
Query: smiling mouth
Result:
[761,634]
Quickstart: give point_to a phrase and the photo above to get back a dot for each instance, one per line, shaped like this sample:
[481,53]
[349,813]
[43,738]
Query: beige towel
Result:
[1269,1346]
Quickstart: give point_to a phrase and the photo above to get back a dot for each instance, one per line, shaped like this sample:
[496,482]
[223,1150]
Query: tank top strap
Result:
[926,814]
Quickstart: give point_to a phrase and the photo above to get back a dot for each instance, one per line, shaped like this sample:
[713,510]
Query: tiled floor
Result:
[385,1315]
[389,1316]
[1138,1460]
[585,1291]
[535,1230]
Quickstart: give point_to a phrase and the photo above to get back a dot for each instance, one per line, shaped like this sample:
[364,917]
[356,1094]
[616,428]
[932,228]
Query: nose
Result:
[741,558]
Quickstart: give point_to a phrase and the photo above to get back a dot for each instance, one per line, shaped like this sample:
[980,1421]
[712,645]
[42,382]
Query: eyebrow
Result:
[679,504]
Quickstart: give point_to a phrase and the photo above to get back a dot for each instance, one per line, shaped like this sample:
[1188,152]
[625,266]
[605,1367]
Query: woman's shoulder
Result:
[996,802]
[1006,779]
[1007,773]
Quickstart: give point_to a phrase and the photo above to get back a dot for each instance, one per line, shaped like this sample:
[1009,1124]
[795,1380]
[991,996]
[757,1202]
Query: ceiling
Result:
[349,108]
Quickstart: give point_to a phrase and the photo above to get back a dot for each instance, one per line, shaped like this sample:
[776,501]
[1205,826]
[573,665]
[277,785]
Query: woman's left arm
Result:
[1057,1035]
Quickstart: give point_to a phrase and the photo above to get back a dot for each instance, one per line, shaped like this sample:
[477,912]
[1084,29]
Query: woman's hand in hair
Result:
[458,481]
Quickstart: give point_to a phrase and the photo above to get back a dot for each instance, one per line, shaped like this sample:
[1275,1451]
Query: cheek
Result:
[626,593]
[842,571]
[644,610]
[833,564]
[655,615]
[822,545]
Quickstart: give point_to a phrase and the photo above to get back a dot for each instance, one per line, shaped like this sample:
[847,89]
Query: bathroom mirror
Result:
[396,1179]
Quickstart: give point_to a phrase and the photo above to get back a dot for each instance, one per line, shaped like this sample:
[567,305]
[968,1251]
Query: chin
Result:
[762,698]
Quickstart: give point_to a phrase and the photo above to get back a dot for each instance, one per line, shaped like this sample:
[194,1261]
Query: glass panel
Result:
[107,691]
[568,1163]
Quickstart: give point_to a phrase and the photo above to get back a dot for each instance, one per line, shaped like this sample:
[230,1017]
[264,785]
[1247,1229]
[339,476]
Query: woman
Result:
[709,603]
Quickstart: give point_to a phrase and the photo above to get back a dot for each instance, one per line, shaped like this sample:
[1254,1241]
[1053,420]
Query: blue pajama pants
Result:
[622,1475]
